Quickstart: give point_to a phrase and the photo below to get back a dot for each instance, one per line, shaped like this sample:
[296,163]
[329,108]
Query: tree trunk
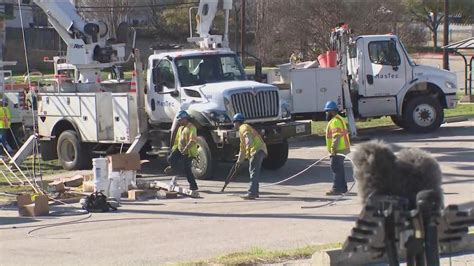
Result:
[434,24]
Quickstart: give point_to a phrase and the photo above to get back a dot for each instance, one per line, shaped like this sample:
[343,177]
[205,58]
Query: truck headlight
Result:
[219,117]
[450,85]
[285,110]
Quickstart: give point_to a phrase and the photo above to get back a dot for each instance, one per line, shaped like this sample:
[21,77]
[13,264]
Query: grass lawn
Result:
[319,127]
[261,256]
[47,168]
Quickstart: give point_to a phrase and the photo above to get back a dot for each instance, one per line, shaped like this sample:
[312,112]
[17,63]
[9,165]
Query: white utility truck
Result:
[80,114]
[377,77]
[21,116]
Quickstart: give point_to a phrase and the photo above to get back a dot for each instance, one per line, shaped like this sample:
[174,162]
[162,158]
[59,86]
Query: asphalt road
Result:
[184,229]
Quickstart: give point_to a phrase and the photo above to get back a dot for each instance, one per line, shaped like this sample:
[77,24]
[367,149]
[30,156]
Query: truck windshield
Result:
[202,69]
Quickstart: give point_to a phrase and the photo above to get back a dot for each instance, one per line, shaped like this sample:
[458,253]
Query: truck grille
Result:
[263,104]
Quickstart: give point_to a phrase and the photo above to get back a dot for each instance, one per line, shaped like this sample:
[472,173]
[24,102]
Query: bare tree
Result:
[112,12]
[283,26]
[431,13]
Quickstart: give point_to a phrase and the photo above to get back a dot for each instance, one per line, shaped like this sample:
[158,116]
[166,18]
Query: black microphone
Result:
[379,171]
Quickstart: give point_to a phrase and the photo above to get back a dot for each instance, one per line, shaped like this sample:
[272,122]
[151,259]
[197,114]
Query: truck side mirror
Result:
[175,93]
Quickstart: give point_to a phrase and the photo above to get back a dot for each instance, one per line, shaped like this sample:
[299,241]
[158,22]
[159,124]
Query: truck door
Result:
[165,101]
[384,68]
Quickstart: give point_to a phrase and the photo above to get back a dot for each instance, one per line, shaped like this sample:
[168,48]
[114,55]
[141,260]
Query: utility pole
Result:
[446,35]
[242,30]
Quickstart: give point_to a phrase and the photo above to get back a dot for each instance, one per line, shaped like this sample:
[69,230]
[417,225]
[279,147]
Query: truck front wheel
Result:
[398,120]
[423,114]
[277,156]
[71,154]
[204,164]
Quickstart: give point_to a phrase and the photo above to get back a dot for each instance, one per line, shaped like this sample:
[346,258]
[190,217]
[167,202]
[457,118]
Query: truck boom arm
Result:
[205,17]
[64,18]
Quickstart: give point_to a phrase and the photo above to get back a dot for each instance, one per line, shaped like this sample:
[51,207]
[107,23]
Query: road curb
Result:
[454,119]
[336,257]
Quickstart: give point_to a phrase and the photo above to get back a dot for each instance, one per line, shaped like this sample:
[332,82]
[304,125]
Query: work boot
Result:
[168,170]
[249,196]
[334,192]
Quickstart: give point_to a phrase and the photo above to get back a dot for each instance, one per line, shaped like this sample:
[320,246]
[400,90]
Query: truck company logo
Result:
[386,76]
[78,46]
[165,104]
[254,92]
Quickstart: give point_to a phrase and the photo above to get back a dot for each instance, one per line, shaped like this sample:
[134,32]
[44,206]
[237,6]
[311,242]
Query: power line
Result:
[123,6]
[138,6]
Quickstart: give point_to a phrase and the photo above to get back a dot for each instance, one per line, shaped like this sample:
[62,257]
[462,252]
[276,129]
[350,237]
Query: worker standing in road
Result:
[337,142]
[5,125]
[252,148]
[184,149]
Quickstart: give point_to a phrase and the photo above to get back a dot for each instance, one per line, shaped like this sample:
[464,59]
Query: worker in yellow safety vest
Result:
[5,124]
[252,148]
[337,142]
[184,149]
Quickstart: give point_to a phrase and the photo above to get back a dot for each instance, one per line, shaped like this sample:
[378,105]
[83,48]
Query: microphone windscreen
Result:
[379,171]
[374,164]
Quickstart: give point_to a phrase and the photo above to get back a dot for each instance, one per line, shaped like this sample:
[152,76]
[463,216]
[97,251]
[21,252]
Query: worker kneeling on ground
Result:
[184,149]
[252,148]
[337,142]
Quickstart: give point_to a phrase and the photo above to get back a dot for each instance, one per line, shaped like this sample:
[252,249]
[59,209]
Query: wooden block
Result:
[141,194]
[171,194]
[88,178]
[88,186]
[75,181]
[179,190]
[56,187]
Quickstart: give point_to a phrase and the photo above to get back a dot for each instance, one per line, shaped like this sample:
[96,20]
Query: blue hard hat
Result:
[330,105]
[238,117]
[181,115]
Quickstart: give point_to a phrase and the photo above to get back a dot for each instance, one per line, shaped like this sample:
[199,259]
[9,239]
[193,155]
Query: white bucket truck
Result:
[374,77]
[79,114]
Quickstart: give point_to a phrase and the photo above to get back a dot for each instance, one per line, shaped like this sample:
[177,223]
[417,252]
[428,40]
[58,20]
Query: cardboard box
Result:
[27,208]
[124,161]
[75,181]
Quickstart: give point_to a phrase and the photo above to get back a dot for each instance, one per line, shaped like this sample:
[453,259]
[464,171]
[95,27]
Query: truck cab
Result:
[386,81]
[211,86]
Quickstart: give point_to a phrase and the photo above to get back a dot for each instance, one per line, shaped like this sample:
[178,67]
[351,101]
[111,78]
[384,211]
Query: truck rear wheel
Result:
[423,114]
[71,155]
[277,156]
[204,164]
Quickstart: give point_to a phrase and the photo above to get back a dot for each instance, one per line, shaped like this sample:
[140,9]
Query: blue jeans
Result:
[3,139]
[255,165]
[178,160]
[337,168]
